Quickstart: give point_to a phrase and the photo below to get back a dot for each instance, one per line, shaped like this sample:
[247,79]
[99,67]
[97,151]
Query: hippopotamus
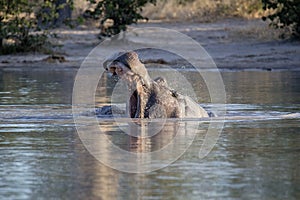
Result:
[150,98]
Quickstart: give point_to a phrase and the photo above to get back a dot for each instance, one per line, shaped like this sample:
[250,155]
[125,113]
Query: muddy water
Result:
[41,155]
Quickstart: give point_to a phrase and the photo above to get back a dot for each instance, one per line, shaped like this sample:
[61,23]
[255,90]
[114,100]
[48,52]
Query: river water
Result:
[42,156]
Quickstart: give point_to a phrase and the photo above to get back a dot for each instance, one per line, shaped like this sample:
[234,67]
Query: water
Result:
[41,155]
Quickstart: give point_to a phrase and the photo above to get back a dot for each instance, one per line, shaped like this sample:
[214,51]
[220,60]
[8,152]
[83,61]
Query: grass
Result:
[194,10]
[213,10]
[203,10]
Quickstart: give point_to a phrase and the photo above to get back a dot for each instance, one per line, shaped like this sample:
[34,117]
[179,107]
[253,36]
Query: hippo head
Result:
[126,65]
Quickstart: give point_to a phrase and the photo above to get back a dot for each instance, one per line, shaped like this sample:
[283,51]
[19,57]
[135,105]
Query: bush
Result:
[286,13]
[115,15]
[19,27]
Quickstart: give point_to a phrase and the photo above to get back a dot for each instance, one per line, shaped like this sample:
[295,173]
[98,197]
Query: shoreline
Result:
[230,49]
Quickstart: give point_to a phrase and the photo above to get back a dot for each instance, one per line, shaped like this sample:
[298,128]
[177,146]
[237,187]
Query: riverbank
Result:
[234,44]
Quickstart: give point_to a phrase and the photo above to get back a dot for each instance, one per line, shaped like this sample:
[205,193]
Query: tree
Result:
[286,14]
[19,23]
[54,13]
[115,15]
[16,22]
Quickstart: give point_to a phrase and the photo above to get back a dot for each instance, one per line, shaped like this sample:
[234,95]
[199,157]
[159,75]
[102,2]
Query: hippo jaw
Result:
[133,82]
[133,105]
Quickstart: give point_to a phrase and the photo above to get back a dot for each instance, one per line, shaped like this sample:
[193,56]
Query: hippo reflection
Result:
[150,98]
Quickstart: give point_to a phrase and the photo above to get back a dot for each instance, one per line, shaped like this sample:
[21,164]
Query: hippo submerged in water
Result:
[150,98]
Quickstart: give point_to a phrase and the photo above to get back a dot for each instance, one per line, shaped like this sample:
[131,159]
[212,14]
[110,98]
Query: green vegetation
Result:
[286,14]
[21,22]
[16,23]
[24,23]
[115,15]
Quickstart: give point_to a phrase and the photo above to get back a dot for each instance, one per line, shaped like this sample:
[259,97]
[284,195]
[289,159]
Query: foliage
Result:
[286,13]
[115,15]
[53,13]
[19,27]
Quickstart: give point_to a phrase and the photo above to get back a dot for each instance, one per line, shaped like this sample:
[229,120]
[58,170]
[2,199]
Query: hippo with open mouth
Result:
[150,98]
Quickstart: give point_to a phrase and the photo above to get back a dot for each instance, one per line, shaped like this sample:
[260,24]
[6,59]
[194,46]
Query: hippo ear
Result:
[112,58]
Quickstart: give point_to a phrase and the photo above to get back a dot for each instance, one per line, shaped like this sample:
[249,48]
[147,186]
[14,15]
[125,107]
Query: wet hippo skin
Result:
[150,98]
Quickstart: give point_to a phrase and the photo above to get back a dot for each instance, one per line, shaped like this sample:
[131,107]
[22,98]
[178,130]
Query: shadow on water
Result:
[41,155]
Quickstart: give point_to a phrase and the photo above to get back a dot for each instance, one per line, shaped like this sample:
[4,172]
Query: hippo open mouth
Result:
[150,98]
[121,70]
[133,104]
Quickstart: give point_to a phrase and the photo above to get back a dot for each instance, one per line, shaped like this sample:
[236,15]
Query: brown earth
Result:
[234,44]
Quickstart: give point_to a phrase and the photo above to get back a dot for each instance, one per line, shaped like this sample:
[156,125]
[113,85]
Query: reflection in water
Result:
[41,155]
[146,137]
[141,146]
[262,87]
[36,87]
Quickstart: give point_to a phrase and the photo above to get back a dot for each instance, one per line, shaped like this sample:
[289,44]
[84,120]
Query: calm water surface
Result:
[41,155]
